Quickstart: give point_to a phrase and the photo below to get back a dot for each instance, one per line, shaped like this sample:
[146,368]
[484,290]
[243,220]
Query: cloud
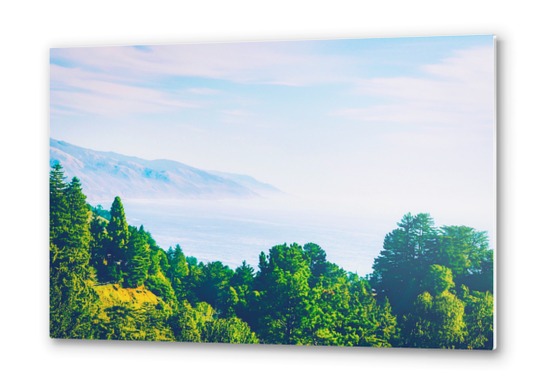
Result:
[124,80]
[458,91]
[78,91]
[285,63]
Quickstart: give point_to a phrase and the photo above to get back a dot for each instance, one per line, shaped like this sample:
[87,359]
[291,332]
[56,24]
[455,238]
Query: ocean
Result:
[233,231]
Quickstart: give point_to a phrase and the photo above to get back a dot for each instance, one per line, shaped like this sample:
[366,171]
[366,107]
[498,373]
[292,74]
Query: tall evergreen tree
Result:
[58,207]
[177,273]
[98,247]
[215,278]
[242,282]
[118,232]
[137,260]
[466,252]
[408,252]
[78,234]
[284,286]
[72,299]
[318,263]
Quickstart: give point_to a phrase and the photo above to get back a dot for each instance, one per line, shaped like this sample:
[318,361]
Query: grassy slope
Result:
[112,294]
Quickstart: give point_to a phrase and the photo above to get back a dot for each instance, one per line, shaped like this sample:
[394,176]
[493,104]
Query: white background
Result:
[29,29]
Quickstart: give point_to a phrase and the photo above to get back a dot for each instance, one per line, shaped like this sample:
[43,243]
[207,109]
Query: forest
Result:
[430,287]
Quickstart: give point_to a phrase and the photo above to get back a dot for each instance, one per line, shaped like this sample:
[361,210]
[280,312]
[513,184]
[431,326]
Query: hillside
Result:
[113,294]
[105,175]
[249,182]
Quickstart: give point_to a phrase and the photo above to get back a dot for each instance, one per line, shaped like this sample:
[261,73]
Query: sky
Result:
[379,125]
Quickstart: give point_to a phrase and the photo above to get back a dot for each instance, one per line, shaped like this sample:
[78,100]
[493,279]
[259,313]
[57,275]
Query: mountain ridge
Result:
[105,175]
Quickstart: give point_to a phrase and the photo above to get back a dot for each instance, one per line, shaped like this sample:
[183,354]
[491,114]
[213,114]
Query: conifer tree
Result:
[78,234]
[408,252]
[58,208]
[243,281]
[98,248]
[119,234]
[284,286]
[137,255]
[72,299]
[177,272]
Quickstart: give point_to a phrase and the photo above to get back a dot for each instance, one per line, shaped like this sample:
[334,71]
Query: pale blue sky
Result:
[391,125]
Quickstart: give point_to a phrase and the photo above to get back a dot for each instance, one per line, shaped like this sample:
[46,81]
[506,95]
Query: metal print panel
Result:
[327,193]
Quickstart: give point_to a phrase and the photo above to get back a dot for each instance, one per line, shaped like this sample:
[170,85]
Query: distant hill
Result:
[249,182]
[105,175]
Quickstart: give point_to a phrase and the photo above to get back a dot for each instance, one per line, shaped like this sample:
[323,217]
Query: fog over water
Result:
[231,231]
[357,132]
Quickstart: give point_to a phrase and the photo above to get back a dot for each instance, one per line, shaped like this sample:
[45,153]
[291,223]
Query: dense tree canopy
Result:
[418,271]
[70,277]
[430,287]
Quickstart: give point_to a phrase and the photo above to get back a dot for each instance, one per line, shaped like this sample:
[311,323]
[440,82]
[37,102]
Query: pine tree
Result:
[243,281]
[177,272]
[465,251]
[78,234]
[285,302]
[58,207]
[72,299]
[98,248]
[137,255]
[408,252]
[119,234]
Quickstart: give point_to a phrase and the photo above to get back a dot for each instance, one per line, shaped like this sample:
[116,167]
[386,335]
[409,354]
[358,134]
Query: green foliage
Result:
[465,251]
[436,322]
[58,206]
[416,272]
[118,233]
[189,323]
[242,283]
[318,263]
[214,279]
[137,263]
[285,300]
[478,318]
[296,297]
[178,272]
[439,279]
[231,330]
[345,313]
[184,324]
[442,320]
[407,254]
[99,211]
[72,300]
[98,247]
[161,287]
[132,322]
[226,302]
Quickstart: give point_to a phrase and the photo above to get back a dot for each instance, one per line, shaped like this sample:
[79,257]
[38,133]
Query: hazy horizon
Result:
[373,127]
